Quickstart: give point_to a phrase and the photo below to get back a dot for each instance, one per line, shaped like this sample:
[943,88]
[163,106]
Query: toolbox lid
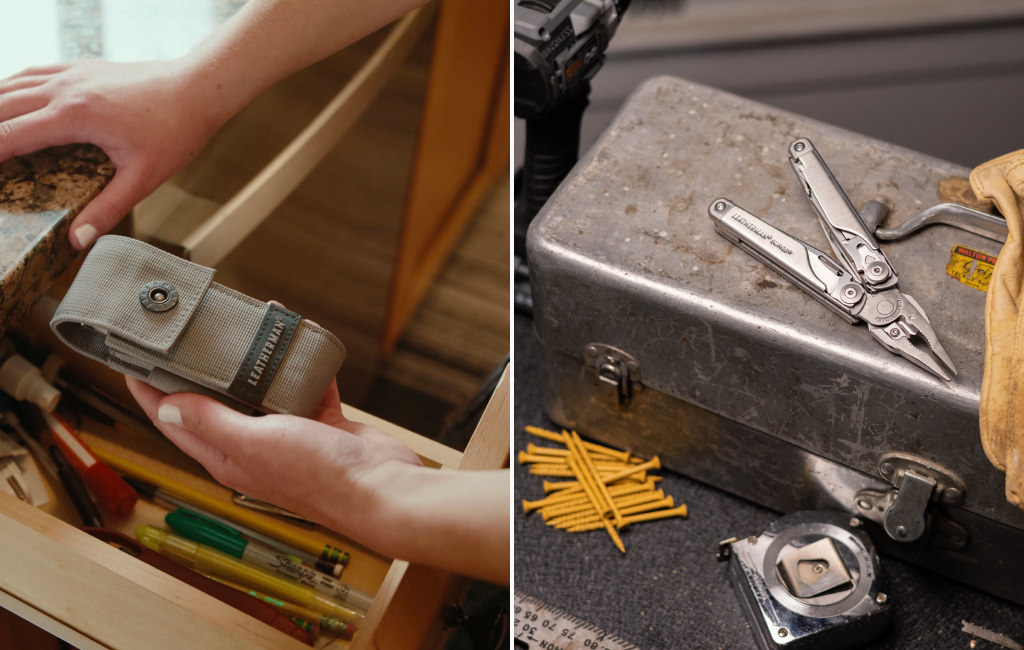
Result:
[625,255]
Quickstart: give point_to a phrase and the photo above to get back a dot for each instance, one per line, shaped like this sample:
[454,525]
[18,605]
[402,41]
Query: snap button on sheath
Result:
[158,296]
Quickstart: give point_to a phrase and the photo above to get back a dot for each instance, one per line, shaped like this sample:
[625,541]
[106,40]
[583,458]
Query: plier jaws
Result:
[900,325]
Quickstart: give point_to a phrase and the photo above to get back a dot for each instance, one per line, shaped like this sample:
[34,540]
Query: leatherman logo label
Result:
[752,227]
[267,352]
[762,233]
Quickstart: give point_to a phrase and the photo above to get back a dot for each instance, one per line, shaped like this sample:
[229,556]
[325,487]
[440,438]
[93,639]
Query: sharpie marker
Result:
[200,557]
[204,530]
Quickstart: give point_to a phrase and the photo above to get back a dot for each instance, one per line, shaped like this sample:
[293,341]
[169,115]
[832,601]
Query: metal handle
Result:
[804,265]
[950,214]
[849,236]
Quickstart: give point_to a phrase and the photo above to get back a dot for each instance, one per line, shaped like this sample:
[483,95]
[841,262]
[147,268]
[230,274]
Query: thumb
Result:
[108,208]
[204,429]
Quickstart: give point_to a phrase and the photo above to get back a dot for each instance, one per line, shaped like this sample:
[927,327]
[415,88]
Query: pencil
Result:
[261,523]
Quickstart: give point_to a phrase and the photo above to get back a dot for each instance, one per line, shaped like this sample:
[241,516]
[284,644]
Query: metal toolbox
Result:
[661,336]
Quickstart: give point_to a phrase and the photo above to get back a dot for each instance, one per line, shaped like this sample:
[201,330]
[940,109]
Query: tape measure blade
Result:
[539,626]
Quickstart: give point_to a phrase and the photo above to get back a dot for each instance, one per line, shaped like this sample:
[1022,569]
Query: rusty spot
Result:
[631,208]
[765,284]
[957,189]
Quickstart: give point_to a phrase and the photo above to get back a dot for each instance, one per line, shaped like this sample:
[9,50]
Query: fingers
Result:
[149,398]
[219,425]
[31,132]
[20,103]
[12,84]
[329,412]
[41,70]
[108,208]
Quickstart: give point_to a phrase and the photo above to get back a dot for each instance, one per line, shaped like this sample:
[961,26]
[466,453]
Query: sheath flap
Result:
[130,291]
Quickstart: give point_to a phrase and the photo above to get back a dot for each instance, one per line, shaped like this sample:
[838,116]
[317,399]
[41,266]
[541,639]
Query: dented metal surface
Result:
[624,255]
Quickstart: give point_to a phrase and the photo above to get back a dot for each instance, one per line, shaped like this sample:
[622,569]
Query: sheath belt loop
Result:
[159,318]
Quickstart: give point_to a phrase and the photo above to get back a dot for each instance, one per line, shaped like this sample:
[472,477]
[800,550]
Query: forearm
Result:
[269,39]
[454,520]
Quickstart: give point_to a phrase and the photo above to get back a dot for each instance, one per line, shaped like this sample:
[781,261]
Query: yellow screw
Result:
[633,519]
[653,463]
[615,536]
[546,451]
[604,465]
[540,459]
[558,510]
[554,451]
[657,514]
[584,480]
[574,486]
[561,486]
[561,471]
[572,502]
[629,505]
[561,437]
[588,466]
[551,470]
[566,497]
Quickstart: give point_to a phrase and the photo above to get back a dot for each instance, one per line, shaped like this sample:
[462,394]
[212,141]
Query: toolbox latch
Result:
[613,367]
[917,482]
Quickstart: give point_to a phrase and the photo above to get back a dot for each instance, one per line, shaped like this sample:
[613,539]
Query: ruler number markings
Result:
[552,628]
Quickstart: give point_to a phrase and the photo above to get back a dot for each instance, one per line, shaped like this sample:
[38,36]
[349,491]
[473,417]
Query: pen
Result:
[201,529]
[75,488]
[200,557]
[153,492]
[325,555]
[327,623]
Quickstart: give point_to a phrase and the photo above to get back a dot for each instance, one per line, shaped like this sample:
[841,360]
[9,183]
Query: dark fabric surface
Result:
[668,591]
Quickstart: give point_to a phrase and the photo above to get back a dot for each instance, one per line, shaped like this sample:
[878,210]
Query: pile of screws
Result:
[610,489]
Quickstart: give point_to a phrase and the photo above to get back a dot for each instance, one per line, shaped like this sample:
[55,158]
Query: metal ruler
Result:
[538,626]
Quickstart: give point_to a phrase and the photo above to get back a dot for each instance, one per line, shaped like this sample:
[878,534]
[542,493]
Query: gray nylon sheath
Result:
[200,344]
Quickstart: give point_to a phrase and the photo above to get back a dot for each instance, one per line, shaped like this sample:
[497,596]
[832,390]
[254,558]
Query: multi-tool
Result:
[860,286]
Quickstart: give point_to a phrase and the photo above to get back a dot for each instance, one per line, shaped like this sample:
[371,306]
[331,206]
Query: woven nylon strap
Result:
[154,316]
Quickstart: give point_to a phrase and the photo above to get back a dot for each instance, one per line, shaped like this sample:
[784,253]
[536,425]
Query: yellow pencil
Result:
[261,523]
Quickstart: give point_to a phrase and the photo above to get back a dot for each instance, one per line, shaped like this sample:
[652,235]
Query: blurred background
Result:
[943,78]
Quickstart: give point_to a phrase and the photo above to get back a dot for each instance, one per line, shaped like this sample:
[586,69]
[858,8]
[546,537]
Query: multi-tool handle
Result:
[850,238]
[804,265]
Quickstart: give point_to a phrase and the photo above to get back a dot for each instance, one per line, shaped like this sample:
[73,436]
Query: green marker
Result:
[204,530]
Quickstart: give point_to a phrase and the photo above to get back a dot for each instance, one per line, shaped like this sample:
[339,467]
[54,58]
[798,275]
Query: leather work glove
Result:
[1001,181]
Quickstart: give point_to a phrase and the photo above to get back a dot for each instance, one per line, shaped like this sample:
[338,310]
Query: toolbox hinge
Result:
[613,367]
[917,482]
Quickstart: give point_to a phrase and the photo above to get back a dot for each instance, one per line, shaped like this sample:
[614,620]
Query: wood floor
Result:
[329,250]
[459,335]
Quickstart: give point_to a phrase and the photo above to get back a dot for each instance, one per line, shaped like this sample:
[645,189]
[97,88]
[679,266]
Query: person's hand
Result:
[330,469]
[145,116]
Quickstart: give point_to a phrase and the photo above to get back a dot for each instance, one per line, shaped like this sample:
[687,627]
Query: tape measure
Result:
[538,626]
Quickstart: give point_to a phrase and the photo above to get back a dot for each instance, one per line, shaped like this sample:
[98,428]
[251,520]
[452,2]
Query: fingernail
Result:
[169,413]
[85,234]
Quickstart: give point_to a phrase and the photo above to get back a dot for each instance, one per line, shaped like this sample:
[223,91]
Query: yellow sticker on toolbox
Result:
[971,267]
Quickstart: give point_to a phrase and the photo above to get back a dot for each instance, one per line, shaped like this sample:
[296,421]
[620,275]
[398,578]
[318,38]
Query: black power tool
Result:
[559,47]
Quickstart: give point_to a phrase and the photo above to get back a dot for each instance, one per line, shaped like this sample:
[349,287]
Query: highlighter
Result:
[226,539]
[200,557]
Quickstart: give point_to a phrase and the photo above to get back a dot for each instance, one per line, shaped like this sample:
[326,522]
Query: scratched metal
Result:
[625,254]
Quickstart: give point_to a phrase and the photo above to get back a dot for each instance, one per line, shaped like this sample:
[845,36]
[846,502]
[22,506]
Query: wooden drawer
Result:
[95,596]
